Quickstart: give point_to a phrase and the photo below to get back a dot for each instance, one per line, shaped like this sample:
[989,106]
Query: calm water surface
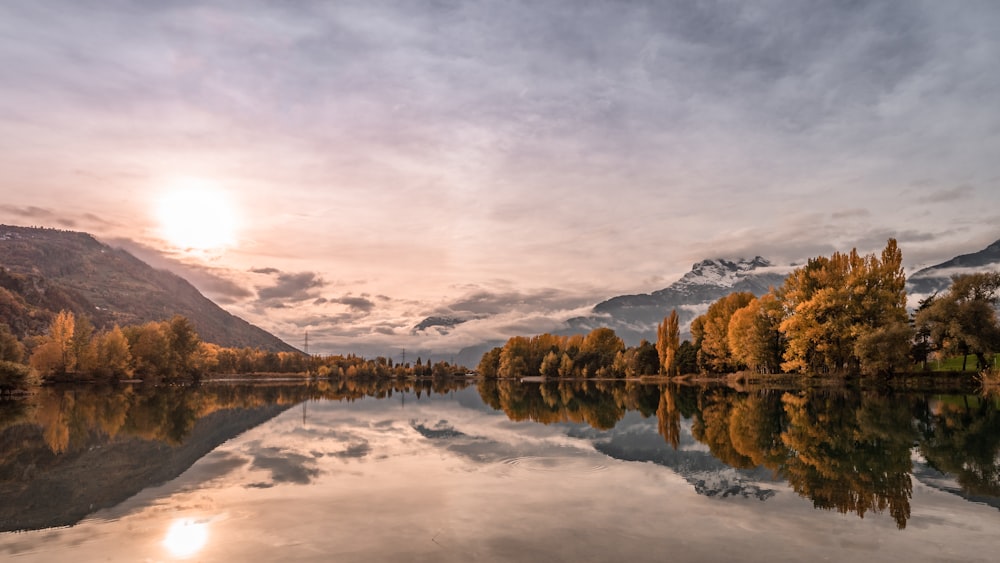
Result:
[500,471]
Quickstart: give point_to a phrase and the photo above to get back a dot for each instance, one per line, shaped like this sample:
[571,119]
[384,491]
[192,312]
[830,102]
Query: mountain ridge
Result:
[937,278]
[45,270]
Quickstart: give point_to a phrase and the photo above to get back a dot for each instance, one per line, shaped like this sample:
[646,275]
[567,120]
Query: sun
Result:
[195,216]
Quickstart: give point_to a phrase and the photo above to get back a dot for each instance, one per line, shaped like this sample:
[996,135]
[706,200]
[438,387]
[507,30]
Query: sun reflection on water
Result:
[186,537]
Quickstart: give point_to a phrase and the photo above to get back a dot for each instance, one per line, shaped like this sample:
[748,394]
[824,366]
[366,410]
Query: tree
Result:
[598,351]
[885,349]
[963,319]
[10,349]
[550,365]
[13,376]
[755,338]
[515,357]
[832,302]
[54,356]
[114,359]
[922,345]
[150,349]
[490,363]
[84,348]
[184,344]
[667,342]
[715,355]
[687,358]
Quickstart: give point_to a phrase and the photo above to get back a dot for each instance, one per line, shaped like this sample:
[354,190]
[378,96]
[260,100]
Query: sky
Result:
[350,168]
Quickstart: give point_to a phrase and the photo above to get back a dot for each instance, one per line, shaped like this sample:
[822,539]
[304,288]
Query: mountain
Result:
[938,277]
[45,270]
[634,317]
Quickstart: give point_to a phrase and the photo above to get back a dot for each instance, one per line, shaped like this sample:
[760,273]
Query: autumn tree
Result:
[598,351]
[149,345]
[715,354]
[846,312]
[490,363]
[755,338]
[84,347]
[516,358]
[667,342]
[55,355]
[114,360]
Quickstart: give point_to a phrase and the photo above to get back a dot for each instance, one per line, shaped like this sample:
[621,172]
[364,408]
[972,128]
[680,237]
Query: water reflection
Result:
[505,471]
[848,451]
[845,450]
[119,441]
[186,537]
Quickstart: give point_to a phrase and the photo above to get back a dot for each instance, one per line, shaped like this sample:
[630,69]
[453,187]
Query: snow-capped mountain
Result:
[718,272]
[635,317]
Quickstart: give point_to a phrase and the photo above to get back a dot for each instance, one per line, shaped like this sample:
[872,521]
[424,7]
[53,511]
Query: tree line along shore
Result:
[836,316]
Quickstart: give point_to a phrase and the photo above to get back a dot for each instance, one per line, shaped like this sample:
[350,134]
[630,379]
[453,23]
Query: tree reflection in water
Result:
[845,450]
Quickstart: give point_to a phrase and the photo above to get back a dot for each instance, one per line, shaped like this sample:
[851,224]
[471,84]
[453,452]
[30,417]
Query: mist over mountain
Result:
[43,271]
[938,277]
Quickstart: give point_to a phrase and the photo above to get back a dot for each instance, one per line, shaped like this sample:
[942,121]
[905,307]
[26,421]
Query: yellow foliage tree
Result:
[113,356]
[55,355]
[668,340]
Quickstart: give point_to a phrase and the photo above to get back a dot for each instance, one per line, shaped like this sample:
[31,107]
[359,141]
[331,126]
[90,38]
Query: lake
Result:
[498,471]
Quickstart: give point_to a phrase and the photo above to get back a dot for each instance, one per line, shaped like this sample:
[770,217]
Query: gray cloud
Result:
[356,304]
[295,287]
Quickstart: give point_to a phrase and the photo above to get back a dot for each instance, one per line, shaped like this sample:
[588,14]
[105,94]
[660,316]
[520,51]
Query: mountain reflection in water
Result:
[225,471]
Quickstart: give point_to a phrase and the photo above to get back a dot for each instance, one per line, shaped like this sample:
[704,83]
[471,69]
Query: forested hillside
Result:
[43,271]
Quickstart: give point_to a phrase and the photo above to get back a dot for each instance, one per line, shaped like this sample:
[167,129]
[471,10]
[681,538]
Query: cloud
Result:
[292,287]
[356,304]
[949,195]
[481,302]
[42,215]
[265,270]
[849,213]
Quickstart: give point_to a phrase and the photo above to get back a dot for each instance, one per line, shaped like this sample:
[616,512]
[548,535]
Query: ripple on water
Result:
[565,465]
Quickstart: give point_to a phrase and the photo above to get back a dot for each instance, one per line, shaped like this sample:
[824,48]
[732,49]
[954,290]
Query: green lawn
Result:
[955,363]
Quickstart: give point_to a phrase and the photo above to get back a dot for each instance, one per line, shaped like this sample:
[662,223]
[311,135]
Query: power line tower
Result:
[308,368]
